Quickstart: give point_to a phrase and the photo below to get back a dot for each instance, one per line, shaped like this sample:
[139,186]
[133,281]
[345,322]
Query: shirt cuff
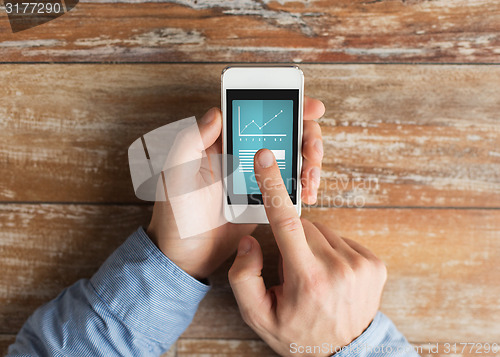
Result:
[147,291]
[381,338]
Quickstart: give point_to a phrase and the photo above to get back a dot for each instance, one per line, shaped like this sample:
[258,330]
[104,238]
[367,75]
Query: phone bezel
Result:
[260,77]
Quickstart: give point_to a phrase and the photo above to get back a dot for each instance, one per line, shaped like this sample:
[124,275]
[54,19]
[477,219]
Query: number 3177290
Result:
[471,347]
[33,8]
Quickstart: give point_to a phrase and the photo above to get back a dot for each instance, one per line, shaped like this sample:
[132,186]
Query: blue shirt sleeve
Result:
[380,339]
[137,304]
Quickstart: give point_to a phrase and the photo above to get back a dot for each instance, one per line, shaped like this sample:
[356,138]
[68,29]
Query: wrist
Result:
[179,255]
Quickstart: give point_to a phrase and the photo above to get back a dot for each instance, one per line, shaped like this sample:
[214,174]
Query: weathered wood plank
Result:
[223,348]
[411,137]
[394,135]
[443,271]
[5,342]
[270,31]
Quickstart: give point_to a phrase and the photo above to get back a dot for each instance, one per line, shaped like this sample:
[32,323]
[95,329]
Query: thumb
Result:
[248,286]
[187,154]
[210,127]
[190,143]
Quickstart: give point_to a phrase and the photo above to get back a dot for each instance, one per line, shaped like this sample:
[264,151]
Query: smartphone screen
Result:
[256,119]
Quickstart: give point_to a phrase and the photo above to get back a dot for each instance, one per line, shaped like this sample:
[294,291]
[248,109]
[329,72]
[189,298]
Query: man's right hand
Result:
[331,286]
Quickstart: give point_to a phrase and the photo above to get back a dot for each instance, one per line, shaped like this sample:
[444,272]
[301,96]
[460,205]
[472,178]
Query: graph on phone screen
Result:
[261,124]
[253,129]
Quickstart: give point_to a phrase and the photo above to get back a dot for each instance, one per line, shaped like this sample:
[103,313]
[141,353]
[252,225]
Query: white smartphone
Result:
[262,107]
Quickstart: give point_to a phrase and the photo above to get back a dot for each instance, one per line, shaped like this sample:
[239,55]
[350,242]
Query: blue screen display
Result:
[262,119]
[261,124]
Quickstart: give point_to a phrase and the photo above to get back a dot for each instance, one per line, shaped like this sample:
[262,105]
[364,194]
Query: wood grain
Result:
[394,135]
[270,31]
[443,271]
[5,342]
[223,348]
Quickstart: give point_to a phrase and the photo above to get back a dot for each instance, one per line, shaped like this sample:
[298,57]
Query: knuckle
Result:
[369,266]
[314,283]
[316,126]
[313,126]
[345,273]
[360,263]
[273,183]
[250,316]
[381,268]
[231,274]
[236,275]
[289,224]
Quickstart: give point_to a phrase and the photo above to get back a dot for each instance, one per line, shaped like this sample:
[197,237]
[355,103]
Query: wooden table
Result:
[412,91]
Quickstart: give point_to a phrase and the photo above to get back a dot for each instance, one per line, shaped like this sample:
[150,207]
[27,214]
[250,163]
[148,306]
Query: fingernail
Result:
[265,159]
[315,175]
[245,246]
[208,117]
[318,146]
